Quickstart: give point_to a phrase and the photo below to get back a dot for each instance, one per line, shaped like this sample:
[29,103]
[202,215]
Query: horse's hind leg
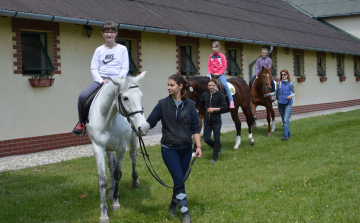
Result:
[235,118]
[273,119]
[133,154]
[99,154]
[111,164]
[120,152]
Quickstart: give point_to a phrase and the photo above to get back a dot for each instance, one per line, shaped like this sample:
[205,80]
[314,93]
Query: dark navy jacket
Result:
[216,100]
[178,123]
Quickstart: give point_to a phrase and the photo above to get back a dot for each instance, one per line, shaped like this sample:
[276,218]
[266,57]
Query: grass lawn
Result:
[312,177]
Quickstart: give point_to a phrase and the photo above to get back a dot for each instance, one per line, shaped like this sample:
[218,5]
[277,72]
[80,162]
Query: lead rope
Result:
[153,172]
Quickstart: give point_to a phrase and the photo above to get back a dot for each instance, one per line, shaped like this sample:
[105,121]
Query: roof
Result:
[272,21]
[328,8]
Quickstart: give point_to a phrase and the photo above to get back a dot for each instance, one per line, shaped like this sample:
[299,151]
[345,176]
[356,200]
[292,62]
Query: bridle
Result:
[125,113]
[263,82]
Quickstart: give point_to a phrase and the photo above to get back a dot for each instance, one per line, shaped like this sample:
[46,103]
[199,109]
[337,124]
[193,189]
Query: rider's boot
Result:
[79,129]
[232,104]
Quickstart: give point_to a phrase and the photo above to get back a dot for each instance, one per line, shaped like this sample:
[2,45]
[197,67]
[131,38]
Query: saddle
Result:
[85,107]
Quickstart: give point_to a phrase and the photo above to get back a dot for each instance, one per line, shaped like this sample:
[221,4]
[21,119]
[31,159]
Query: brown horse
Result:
[198,85]
[261,86]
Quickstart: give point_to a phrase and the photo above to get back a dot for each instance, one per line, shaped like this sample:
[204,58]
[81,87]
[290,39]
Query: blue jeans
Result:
[285,112]
[223,81]
[177,161]
[208,128]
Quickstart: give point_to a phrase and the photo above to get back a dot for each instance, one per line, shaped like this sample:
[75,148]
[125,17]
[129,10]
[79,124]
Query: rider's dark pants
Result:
[177,161]
[83,95]
[252,80]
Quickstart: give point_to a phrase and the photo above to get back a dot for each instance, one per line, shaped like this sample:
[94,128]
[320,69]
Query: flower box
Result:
[301,79]
[323,79]
[342,79]
[357,78]
[43,82]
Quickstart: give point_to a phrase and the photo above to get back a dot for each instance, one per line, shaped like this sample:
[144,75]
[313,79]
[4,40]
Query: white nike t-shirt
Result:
[109,62]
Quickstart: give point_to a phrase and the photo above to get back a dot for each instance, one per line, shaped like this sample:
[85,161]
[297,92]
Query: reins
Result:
[153,172]
[143,148]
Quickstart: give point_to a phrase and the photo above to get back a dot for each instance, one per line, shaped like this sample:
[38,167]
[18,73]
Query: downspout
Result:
[253,63]
[7,13]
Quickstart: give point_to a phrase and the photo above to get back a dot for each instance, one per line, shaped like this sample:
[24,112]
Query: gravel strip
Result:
[68,153]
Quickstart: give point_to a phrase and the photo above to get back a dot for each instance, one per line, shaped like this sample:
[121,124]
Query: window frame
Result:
[320,70]
[230,57]
[44,49]
[189,56]
[131,61]
[356,68]
[297,69]
[340,67]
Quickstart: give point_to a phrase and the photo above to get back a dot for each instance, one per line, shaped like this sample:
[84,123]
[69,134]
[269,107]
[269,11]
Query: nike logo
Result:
[106,62]
[108,58]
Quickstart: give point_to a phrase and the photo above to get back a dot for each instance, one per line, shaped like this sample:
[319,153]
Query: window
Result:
[187,65]
[320,65]
[35,59]
[132,67]
[297,65]
[234,68]
[273,65]
[340,65]
[356,68]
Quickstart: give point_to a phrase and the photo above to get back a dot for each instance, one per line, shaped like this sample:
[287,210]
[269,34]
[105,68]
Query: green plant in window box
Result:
[240,76]
[323,78]
[42,80]
[301,78]
[342,78]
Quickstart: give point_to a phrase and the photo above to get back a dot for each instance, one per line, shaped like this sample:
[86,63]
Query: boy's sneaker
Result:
[79,129]
[232,104]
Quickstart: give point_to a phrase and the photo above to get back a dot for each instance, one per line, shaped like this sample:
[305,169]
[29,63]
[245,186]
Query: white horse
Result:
[116,119]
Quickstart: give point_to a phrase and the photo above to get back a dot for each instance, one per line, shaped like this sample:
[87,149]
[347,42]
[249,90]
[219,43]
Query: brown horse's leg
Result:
[247,110]
[268,110]
[273,118]
[235,117]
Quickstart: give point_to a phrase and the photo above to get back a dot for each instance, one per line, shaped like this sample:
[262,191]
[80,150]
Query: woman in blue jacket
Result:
[180,122]
[285,91]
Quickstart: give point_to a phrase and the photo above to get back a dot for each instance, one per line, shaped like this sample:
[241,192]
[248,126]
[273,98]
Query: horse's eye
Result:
[125,99]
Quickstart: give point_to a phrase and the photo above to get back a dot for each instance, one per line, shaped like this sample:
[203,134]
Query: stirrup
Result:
[83,131]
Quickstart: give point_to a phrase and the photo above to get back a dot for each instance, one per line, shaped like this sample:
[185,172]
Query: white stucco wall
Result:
[349,24]
[28,112]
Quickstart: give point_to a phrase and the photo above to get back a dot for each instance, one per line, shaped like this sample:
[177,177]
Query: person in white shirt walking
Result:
[109,60]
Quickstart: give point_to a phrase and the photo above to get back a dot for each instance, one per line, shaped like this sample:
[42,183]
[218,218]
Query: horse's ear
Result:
[137,79]
[116,80]
[262,68]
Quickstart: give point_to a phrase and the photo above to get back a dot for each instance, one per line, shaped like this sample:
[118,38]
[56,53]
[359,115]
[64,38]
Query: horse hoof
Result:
[236,147]
[110,195]
[104,219]
[115,207]
[252,142]
[269,135]
[135,184]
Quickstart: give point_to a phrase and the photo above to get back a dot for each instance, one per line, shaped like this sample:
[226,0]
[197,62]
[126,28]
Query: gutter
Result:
[7,13]
[336,15]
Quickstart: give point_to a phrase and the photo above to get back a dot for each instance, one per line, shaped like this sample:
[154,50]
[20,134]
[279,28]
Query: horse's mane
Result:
[198,77]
